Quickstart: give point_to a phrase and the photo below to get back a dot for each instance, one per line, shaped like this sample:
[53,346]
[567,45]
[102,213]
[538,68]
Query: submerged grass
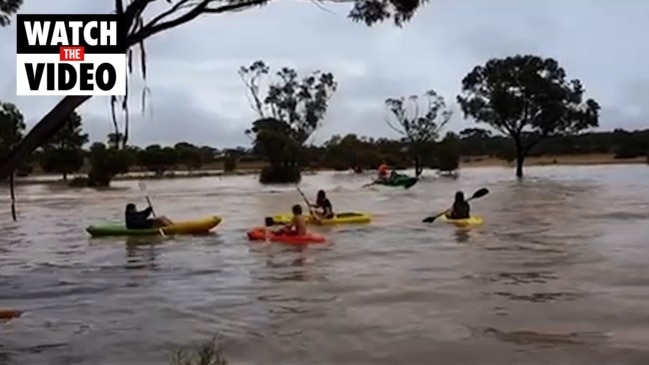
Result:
[207,352]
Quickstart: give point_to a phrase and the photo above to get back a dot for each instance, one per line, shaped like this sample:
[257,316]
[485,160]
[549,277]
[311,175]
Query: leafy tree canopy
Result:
[528,99]
[7,9]
[419,121]
[12,126]
[301,103]
[105,163]
[64,153]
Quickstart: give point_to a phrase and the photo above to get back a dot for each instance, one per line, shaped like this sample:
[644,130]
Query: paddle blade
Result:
[429,219]
[480,193]
[269,222]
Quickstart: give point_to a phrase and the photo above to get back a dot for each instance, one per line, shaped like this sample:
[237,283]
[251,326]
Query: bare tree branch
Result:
[41,130]
[321,7]
[133,11]
[182,4]
[254,72]
[389,123]
[119,7]
[202,7]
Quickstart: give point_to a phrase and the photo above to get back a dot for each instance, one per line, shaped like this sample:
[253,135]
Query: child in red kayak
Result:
[297,226]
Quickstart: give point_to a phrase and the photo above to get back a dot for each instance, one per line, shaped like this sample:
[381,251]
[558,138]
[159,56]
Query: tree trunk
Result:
[65,176]
[519,165]
[417,167]
[520,158]
[12,192]
[47,127]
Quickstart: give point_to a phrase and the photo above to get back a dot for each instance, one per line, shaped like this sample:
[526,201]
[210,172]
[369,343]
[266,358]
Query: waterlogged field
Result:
[557,274]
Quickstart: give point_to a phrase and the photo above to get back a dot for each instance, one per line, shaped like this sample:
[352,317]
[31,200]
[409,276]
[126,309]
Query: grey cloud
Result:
[167,107]
[197,95]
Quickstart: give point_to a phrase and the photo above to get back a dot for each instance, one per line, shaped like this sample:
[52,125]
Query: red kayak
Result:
[257,234]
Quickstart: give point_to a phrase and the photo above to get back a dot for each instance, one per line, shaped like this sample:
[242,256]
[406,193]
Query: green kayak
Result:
[399,180]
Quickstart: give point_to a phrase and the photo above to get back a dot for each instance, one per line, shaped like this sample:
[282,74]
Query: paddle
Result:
[142,186]
[308,204]
[478,194]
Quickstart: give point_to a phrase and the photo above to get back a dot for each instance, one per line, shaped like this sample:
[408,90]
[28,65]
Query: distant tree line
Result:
[65,153]
[353,152]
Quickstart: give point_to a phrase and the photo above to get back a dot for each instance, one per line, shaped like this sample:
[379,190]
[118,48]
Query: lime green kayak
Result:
[196,226]
[468,222]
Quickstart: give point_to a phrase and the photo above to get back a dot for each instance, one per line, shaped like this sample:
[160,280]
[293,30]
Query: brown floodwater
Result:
[558,274]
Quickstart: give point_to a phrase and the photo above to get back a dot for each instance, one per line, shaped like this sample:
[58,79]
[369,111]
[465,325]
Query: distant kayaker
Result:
[141,220]
[383,171]
[324,204]
[298,223]
[460,209]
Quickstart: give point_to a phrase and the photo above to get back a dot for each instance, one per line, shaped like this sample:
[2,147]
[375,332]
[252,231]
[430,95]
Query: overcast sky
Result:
[197,96]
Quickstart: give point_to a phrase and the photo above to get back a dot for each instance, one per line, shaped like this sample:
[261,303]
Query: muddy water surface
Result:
[558,274]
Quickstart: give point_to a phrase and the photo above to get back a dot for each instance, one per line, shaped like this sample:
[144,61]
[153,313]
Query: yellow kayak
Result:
[468,222]
[195,226]
[340,218]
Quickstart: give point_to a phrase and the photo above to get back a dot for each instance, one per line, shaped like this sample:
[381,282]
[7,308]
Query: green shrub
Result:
[229,164]
[280,175]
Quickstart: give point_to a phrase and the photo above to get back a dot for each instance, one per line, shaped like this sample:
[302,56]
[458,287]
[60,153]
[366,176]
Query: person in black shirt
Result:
[460,209]
[324,204]
[141,220]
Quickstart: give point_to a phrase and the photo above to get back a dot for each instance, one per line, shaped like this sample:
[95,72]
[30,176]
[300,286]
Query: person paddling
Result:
[383,172]
[297,226]
[141,220]
[460,209]
[324,204]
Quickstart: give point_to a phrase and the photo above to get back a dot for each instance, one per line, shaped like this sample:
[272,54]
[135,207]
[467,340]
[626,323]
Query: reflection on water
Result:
[545,339]
[140,257]
[557,273]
